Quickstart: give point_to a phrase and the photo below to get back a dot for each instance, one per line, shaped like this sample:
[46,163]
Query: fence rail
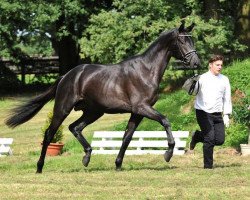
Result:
[33,65]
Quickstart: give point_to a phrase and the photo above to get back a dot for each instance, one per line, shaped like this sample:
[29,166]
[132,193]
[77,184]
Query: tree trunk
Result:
[211,9]
[68,52]
[66,47]
[242,26]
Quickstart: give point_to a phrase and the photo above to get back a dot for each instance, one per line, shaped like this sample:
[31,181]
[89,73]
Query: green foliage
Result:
[236,134]
[40,79]
[109,31]
[36,27]
[17,35]
[124,31]
[37,45]
[174,79]
[118,37]
[239,75]
[131,26]
[59,133]
[241,112]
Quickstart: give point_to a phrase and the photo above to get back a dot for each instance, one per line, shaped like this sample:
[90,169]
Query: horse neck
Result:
[157,56]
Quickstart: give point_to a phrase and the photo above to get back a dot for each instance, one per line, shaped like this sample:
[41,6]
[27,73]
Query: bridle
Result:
[186,55]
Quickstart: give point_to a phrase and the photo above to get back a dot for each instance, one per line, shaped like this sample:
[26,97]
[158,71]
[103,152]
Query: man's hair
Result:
[214,58]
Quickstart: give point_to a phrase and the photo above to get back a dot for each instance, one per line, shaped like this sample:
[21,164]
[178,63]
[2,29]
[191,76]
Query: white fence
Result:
[143,142]
[5,146]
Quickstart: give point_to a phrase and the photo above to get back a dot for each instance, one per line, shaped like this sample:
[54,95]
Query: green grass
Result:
[142,177]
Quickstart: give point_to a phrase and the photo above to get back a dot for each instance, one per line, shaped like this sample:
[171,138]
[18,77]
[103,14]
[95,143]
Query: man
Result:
[213,107]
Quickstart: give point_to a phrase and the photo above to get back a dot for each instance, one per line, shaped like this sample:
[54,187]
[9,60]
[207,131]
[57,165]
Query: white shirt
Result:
[214,94]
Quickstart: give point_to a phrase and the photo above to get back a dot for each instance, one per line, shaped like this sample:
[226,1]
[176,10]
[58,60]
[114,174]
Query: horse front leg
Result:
[149,112]
[133,123]
[171,143]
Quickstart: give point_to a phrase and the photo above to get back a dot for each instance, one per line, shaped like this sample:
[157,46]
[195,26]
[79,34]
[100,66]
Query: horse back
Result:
[94,86]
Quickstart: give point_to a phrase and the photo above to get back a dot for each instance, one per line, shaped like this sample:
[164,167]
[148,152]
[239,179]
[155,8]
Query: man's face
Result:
[216,66]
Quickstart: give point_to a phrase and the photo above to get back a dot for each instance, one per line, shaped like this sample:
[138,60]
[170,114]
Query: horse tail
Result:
[25,112]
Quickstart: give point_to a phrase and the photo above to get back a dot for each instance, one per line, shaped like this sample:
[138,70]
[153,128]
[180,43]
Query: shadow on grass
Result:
[128,168]
[71,163]
[227,165]
[109,168]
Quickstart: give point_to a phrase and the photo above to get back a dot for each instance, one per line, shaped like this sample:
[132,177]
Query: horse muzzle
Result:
[194,61]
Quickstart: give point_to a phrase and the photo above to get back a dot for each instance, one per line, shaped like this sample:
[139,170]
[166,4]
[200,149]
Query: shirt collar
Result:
[209,71]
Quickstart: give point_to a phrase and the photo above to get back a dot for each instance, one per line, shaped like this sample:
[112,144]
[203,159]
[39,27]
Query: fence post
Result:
[22,72]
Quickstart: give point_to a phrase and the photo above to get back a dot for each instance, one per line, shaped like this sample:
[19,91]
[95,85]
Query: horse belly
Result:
[102,107]
[100,102]
[113,104]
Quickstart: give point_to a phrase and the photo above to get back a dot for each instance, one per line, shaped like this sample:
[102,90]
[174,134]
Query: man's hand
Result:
[226,120]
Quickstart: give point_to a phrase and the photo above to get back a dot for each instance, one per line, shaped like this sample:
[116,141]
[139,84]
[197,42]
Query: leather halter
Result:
[186,55]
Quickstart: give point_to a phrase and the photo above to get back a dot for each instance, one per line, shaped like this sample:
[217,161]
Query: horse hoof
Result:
[85,161]
[38,171]
[118,168]
[168,155]
[118,164]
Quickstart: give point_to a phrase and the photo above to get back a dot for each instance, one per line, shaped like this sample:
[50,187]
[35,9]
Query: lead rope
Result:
[192,87]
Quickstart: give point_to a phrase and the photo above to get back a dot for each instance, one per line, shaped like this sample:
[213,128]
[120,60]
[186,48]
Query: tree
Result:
[131,26]
[242,21]
[108,31]
[211,9]
[13,19]
[60,22]
[128,28]
[235,15]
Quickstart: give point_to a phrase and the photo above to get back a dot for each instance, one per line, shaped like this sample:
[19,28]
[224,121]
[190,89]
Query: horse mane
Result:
[156,44]
[159,41]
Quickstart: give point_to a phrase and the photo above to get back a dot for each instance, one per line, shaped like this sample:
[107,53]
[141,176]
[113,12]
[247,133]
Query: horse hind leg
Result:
[56,121]
[63,106]
[76,129]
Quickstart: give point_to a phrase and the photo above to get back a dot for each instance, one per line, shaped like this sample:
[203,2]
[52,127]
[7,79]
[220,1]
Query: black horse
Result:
[130,86]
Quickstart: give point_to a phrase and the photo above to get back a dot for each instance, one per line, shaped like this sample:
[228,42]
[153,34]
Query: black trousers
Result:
[212,133]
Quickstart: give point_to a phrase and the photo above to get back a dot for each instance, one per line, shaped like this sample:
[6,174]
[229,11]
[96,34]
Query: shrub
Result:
[239,75]
[236,134]
[241,113]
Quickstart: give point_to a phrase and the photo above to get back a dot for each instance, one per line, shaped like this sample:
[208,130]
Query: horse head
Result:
[183,47]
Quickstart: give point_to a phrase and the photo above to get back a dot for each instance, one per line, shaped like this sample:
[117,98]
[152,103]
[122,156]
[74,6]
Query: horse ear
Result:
[189,29]
[182,26]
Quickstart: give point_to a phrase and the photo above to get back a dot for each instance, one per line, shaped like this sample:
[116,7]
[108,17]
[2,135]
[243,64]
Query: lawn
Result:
[142,177]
